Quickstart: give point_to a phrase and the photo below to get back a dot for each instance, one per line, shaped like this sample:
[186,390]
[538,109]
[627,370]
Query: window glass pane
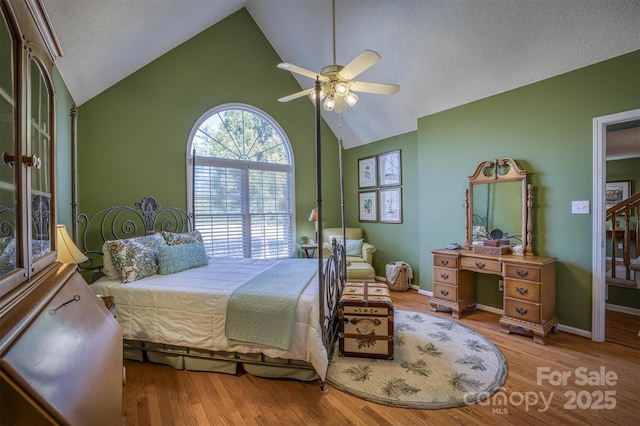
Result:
[239,134]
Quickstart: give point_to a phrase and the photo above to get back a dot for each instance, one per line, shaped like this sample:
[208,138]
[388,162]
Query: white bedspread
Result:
[188,309]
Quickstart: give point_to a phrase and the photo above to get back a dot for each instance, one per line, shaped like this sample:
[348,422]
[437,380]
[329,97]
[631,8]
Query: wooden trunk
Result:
[365,314]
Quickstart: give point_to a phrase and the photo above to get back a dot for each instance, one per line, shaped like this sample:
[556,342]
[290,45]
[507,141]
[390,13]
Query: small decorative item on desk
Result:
[517,249]
[453,246]
[493,247]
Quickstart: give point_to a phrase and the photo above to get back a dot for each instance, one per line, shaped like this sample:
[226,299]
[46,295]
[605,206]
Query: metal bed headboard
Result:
[121,222]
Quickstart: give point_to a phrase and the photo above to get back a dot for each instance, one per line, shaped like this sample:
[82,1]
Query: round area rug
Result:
[437,364]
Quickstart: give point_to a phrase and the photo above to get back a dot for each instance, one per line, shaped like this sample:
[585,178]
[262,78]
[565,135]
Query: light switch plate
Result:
[580,207]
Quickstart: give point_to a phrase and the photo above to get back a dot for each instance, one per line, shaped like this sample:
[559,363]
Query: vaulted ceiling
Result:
[441,53]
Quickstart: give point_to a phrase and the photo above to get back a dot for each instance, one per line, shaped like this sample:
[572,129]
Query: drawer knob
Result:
[522,273]
[375,321]
[522,290]
[444,261]
[480,265]
[444,276]
[521,311]
[444,292]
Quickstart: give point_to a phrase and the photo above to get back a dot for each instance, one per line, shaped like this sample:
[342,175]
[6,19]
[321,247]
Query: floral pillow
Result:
[136,258]
[173,238]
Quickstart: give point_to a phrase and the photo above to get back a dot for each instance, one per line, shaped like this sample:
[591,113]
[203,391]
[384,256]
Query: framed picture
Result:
[390,169]
[368,206]
[616,192]
[367,172]
[390,205]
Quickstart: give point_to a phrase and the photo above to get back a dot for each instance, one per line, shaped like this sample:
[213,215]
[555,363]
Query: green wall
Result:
[133,136]
[63,102]
[547,127]
[627,169]
[393,241]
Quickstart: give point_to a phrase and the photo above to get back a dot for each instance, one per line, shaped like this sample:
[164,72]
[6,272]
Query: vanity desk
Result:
[529,298]
[498,219]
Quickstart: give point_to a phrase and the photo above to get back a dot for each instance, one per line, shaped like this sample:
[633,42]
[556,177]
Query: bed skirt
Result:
[182,358]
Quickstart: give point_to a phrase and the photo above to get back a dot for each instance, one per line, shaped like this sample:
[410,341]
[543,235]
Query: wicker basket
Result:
[399,271]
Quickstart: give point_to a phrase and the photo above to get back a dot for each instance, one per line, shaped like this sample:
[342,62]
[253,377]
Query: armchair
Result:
[359,253]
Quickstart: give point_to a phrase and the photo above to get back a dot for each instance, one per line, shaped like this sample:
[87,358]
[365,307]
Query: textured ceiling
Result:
[441,53]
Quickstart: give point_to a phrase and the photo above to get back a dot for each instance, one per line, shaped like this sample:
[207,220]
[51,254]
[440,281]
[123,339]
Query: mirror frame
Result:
[490,172]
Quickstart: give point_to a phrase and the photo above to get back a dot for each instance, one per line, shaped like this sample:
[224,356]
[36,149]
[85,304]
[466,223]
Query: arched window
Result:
[240,183]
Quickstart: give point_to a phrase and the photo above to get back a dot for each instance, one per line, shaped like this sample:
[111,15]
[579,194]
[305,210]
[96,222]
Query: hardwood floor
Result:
[622,328]
[160,395]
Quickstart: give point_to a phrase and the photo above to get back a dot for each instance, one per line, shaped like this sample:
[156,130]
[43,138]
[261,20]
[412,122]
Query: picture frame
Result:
[368,206]
[616,191]
[390,205]
[367,172]
[390,168]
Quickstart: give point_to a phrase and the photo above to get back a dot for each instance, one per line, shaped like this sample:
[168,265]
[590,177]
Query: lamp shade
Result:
[314,216]
[67,250]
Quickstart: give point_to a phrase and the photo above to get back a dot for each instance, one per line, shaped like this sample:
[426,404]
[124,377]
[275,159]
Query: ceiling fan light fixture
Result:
[351,99]
[342,89]
[312,96]
[329,103]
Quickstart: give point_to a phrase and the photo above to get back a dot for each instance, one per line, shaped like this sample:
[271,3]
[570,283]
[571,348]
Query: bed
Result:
[180,318]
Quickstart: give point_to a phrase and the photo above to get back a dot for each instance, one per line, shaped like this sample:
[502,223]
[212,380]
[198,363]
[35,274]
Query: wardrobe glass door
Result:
[38,161]
[8,151]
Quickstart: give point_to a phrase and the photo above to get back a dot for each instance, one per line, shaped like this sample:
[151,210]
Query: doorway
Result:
[598,253]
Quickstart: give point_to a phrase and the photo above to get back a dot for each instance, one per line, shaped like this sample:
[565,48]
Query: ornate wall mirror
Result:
[498,204]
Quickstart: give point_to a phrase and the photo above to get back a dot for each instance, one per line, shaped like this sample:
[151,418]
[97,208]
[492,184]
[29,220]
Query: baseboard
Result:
[560,327]
[490,309]
[623,309]
[572,330]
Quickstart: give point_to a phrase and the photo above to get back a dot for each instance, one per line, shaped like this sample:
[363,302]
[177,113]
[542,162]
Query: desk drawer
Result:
[446,292]
[521,310]
[481,265]
[522,290]
[445,261]
[445,275]
[522,272]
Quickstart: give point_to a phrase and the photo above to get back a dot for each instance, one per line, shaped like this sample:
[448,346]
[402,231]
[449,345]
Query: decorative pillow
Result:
[173,238]
[136,258]
[354,247]
[108,268]
[180,257]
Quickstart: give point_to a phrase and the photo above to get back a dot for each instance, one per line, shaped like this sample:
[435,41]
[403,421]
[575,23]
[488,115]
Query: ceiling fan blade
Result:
[359,64]
[297,95]
[377,88]
[302,71]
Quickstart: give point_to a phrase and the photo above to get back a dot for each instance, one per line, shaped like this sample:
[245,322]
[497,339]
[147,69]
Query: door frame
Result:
[599,181]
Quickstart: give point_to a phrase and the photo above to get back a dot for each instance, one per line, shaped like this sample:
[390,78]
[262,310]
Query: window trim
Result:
[239,163]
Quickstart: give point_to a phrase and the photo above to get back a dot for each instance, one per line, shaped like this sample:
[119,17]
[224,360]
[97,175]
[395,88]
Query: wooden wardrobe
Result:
[60,348]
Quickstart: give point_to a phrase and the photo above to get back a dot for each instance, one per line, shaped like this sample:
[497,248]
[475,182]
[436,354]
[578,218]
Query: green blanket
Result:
[262,311]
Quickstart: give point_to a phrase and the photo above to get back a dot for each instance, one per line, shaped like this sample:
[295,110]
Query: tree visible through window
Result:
[242,184]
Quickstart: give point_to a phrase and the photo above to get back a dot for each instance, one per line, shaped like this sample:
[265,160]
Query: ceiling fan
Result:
[337,85]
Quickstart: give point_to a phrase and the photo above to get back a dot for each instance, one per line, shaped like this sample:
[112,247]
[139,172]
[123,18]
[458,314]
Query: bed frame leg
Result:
[323,387]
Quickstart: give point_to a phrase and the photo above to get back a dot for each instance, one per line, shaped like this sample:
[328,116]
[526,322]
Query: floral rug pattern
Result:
[437,364]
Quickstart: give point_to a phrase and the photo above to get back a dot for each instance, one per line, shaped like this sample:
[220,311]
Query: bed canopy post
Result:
[74,173]
[344,230]
[318,144]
